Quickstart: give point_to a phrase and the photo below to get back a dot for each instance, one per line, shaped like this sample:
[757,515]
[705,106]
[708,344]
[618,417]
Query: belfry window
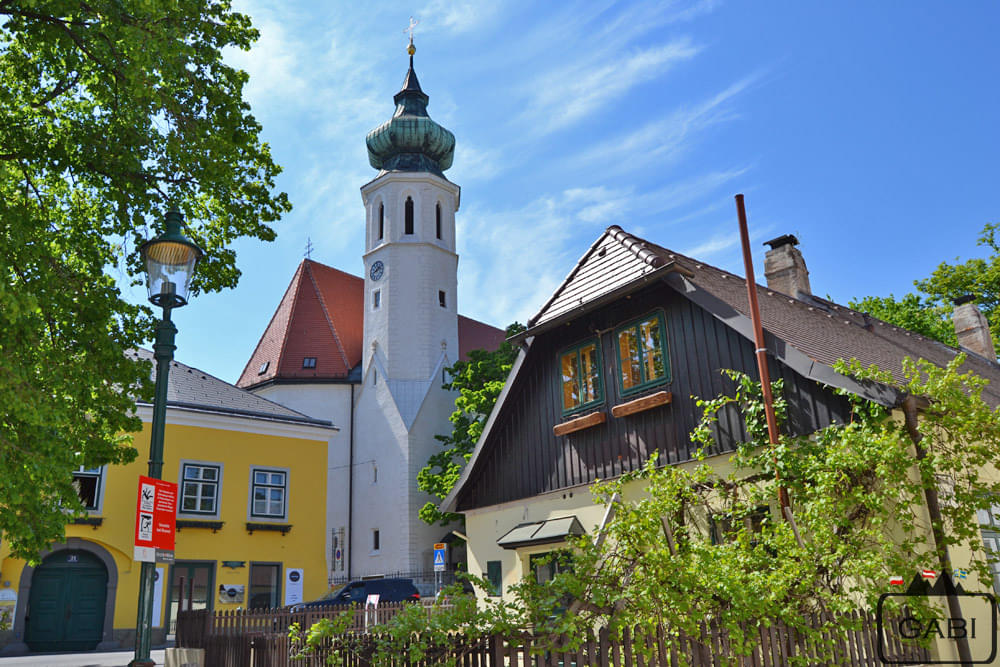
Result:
[381,221]
[408,219]
[438,219]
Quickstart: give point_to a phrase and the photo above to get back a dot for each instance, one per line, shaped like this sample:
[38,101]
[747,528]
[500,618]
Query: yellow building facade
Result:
[251,525]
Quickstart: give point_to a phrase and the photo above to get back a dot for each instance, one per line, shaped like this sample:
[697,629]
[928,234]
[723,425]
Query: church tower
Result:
[411,266]
[368,353]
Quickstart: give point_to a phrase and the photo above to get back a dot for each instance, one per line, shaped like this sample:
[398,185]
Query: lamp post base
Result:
[142,663]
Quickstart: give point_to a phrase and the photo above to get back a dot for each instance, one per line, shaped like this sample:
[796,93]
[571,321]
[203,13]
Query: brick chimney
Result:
[972,329]
[784,268]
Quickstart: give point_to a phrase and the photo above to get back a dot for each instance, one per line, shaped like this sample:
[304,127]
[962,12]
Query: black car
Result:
[357,592]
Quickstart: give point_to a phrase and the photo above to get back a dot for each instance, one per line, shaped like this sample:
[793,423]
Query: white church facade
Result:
[368,353]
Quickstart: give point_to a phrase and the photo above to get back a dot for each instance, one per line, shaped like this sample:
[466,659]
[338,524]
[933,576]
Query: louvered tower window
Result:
[438,218]
[408,220]
[381,221]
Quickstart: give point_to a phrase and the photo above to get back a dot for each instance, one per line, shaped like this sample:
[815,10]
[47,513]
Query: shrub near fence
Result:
[256,639]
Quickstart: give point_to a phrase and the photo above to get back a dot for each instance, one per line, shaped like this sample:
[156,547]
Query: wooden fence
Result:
[260,639]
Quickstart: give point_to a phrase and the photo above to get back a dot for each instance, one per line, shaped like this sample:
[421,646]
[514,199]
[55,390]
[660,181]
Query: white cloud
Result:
[273,62]
[456,16]
[564,96]
[666,139]
[476,163]
[523,254]
[712,246]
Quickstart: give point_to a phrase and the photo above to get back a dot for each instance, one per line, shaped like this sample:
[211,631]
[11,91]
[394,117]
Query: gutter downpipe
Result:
[761,352]
[910,407]
[350,494]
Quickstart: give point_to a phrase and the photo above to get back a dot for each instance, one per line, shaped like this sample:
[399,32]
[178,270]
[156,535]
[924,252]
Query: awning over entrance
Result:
[541,532]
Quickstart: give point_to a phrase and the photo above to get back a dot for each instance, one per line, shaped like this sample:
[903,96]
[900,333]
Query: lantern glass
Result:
[170,262]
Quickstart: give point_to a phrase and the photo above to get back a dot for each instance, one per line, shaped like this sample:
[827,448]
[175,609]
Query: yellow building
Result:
[250,524]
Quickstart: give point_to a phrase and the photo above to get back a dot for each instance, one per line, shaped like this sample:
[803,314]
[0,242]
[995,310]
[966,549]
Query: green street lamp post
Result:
[170,260]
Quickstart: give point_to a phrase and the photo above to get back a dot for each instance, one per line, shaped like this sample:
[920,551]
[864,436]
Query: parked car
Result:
[357,592]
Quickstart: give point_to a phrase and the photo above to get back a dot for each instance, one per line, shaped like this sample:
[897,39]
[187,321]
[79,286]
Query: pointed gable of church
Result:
[316,331]
[321,316]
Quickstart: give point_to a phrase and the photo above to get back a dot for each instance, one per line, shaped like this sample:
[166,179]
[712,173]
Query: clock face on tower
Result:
[378,268]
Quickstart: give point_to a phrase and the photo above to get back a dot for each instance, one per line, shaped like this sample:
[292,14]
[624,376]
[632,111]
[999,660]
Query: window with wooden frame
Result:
[580,376]
[494,575]
[642,353]
[724,527]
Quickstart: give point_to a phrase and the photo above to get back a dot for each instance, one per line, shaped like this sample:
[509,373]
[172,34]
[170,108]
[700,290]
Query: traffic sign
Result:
[439,548]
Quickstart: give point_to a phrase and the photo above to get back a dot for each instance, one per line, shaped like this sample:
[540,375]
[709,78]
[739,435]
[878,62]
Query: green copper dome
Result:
[410,140]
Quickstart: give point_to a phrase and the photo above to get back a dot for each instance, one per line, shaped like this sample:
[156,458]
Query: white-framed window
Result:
[376,299]
[200,486]
[89,483]
[989,524]
[268,493]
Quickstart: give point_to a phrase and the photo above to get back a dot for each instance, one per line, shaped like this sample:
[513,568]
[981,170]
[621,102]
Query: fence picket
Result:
[258,638]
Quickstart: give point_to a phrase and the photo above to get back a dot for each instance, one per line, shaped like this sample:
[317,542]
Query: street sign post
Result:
[439,549]
[155,520]
[439,564]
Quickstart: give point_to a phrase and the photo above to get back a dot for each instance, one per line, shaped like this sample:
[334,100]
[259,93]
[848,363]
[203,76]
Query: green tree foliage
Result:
[478,382]
[858,495]
[110,111]
[704,540]
[912,312]
[929,311]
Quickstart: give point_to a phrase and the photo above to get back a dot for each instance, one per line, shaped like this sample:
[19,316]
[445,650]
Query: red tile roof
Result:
[321,315]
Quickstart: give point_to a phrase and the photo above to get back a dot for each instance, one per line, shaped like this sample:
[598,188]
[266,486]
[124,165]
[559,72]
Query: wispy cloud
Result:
[667,139]
[566,95]
[723,246]
[456,16]
[273,63]
[522,254]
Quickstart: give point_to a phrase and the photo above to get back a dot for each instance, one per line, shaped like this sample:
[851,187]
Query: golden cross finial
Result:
[409,29]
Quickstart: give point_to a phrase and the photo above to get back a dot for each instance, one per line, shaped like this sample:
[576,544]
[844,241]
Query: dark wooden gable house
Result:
[607,374]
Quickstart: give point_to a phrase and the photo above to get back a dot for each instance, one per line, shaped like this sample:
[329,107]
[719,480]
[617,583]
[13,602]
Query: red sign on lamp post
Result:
[155,520]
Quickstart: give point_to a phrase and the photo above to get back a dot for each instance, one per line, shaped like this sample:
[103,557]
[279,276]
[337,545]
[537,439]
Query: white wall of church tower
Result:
[409,326]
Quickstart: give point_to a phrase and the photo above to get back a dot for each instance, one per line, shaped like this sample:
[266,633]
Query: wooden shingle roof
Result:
[821,330]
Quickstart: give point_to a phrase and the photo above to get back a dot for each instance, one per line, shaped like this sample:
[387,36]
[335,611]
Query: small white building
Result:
[369,353]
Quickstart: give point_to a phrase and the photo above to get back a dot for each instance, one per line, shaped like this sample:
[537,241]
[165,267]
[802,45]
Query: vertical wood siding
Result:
[523,458]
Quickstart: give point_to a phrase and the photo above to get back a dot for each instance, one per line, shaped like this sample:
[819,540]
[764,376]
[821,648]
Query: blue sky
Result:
[868,129]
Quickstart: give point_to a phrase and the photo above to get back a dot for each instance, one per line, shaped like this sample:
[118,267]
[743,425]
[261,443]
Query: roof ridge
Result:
[297,282]
[326,314]
[645,246]
[260,341]
[637,245]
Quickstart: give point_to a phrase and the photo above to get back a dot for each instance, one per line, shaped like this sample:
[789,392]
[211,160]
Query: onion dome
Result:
[410,140]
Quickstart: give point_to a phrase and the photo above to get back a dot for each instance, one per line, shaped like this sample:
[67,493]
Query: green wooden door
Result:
[66,606]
